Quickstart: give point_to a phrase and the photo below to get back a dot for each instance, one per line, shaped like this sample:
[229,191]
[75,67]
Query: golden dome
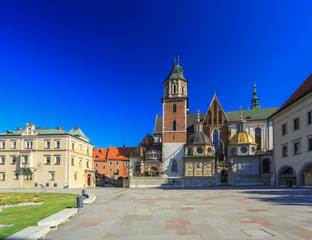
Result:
[242,138]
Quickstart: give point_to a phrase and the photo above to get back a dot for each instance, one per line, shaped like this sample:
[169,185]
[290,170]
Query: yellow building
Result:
[48,156]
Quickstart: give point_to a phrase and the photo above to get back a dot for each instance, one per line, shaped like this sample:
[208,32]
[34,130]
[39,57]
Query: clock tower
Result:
[174,126]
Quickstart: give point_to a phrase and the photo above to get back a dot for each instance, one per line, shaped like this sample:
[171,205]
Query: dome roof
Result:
[199,138]
[242,138]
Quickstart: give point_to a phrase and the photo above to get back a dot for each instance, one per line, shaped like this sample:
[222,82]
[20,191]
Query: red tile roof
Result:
[303,90]
[100,154]
[119,153]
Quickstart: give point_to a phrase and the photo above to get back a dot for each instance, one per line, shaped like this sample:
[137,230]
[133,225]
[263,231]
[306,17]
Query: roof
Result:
[100,154]
[77,132]
[251,114]
[46,131]
[242,138]
[176,72]
[233,116]
[120,153]
[304,89]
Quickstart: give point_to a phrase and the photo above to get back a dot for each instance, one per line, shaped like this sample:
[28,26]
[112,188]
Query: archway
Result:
[287,176]
[154,171]
[224,176]
[306,175]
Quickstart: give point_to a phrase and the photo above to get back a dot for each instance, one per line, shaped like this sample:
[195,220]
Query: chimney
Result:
[18,129]
[59,128]
[124,147]
[39,128]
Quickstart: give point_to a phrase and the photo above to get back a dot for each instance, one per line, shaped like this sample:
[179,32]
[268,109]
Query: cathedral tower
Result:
[174,127]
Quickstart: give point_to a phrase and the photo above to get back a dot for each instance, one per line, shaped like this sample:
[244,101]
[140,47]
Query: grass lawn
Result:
[26,216]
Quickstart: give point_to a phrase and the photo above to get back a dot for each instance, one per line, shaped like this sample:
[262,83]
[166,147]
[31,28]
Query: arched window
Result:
[209,117]
[174,108]
[182,90]
[174,125]
[266,166]
[174,88]
[258,138]
[166,91]
[215,112]
[220,117]
[174,166]
[215,139]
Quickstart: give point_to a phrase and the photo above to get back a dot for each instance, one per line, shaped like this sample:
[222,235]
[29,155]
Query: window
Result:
[284,129]
[48,160]
[220,117]
[16,176]
[88,151]
[117,163]
[296,124]
[243,150]
[199,150]
[309,117]
[29,144]
[174,125]
[58,160]
[58,144]
[110,169]
[117,171]
[284,153]
[25,159]
[209,118]
[2,176]
[310,144]
[166,91]
[174,88]
[215,112]
[2,160]
[88,163]
[75,176]
[48,144]
[81,147]
[13,160]
[126,163]
[296,148]
[182,90]
[3,145]
[80,163]
[174,166]
[52,175]
[110,163]
[258,138]
[73,146]
[174,108]
[103,166]
[72,161]
[96,164]
[215,139]
[28,176]
[266,166]
[14,145]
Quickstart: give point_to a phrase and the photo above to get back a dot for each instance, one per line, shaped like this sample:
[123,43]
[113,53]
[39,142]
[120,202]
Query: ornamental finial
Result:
[178,60]
[198,117]
[241,113]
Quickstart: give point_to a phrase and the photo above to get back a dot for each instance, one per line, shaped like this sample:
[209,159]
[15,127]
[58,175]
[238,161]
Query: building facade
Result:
[293,138]
[48,156]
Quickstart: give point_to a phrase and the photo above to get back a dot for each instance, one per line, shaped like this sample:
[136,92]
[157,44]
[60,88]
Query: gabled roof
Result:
[176,72]
[251,114]
[100,154]
[77,133]
[304,89]
[215,98]
[120,153]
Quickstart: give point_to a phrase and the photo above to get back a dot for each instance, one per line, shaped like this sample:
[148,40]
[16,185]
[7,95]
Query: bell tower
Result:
[174,126]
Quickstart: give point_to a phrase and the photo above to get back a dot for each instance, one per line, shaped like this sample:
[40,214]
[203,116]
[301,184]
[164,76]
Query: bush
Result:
[120,178]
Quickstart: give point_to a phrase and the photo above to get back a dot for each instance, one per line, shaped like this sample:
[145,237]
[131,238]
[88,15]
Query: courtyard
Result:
[197,213]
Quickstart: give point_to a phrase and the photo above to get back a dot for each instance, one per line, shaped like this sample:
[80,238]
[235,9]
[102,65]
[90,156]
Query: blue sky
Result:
[100,65]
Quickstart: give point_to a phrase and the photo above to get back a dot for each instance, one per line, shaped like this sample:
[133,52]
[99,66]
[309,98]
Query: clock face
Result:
[253,149]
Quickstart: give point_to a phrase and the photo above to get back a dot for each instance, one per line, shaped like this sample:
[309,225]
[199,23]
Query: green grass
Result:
[26,216]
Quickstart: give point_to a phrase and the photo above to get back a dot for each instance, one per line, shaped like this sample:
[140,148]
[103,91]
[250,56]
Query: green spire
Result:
[176,72]
[255,100]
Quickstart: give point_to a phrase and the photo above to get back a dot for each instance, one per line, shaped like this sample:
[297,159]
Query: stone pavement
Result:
[198,213]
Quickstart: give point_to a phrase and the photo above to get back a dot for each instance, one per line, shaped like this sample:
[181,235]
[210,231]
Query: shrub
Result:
[120,178]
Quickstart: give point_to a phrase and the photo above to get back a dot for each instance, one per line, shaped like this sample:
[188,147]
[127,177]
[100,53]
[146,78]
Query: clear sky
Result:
[100,65]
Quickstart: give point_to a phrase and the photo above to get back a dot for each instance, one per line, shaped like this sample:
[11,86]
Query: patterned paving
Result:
[215,213]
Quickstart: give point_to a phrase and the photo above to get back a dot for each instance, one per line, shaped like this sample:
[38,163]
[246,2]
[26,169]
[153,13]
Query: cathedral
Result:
[211,148]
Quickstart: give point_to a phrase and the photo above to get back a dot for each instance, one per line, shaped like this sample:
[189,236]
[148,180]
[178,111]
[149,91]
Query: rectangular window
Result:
[296,124]
[88,151]
[72,161]
[87,164]
[52,175]
[58,160]
[310,144]
[48,144]
[58,144]
[284,129]
[76,176]
[29,144]
[110,169]
[3,145]
[80,163]
[103,166]
[73,146]
[296,148]
[48,160]
[2,160]
[309,117]
[96,165]
[110,163]
[117,163]
[14,145]
[2,176]
[28,176]
[16,176]
[13,160]
[284,151]
[25,159]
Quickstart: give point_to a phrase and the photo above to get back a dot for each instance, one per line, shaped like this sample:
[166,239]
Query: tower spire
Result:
[255,100]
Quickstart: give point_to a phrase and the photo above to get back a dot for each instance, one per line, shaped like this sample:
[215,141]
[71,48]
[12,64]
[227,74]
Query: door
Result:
[224,176]
[89,180]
